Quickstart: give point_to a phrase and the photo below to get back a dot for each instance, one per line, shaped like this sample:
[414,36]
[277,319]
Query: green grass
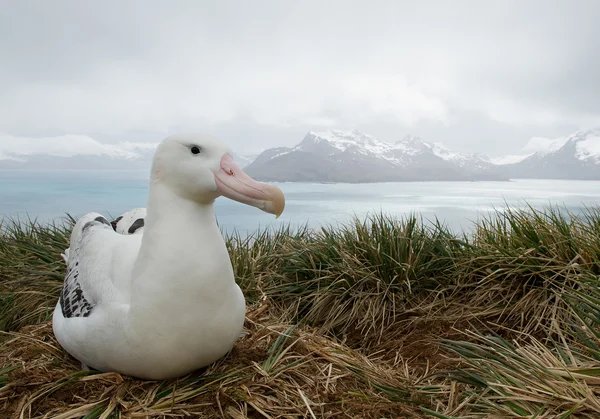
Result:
[31,270]
[380,317]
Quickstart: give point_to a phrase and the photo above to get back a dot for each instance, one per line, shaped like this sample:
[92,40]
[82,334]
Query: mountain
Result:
[244,160]
[575,157]
[332,156]
[72,152]
[340,156]
[137,157]
[85,162]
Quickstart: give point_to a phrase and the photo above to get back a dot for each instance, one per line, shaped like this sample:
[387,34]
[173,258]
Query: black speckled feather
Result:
[72,298]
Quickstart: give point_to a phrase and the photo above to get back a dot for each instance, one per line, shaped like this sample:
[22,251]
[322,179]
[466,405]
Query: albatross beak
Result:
[233,183]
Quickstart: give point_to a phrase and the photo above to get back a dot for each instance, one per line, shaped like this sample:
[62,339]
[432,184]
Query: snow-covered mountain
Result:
[509,159]
[576,156]
[130,161]
[353,156]
[80,153]
[415,145]
[332,156]
[340,156]
[72,152]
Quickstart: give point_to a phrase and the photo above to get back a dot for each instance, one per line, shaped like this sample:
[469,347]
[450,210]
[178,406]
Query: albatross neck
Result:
[170,214]
[181,245]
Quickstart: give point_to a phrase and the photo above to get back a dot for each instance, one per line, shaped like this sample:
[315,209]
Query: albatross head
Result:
[200,168]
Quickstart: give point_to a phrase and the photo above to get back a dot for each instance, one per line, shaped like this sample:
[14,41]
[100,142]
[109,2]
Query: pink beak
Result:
[233,183]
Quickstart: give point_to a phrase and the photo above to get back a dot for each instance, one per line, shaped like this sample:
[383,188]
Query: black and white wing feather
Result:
[130,222]
[87,279]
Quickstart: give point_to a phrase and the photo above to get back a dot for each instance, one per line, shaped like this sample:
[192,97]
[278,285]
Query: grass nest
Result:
[382,317]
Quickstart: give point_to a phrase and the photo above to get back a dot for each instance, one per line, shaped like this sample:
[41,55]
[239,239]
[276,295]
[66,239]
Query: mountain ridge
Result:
[136,156]
[575,157]
[345,156]
[352,156]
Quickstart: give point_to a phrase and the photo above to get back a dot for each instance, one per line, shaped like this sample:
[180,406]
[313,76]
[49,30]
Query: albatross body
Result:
[161,302]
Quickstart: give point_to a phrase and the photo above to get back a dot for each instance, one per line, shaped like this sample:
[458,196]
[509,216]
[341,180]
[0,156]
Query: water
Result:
[49,195]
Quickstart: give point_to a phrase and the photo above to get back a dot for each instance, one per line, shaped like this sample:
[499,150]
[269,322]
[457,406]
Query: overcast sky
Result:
[475,75]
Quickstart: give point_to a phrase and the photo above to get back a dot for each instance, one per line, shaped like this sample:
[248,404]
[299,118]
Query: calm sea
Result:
[49,195]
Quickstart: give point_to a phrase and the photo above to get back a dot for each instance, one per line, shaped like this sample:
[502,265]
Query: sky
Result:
[497,77]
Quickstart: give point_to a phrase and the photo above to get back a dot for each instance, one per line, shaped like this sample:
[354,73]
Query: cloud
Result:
[392,97]
[15,148]
[433,68]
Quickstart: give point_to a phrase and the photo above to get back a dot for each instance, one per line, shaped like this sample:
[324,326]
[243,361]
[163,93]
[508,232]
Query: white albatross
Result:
[164,302]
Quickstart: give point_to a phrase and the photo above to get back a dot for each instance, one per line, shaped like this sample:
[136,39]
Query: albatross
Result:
[160,302]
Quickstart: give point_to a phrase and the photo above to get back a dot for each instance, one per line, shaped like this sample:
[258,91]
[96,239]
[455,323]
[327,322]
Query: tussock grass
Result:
[31,270]
[528,260]
[380,317]
[363,276]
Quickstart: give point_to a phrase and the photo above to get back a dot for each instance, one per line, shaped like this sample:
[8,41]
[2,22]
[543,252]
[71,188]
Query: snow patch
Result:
[544,145]
[588,148]
[442,152]
[344,140]
[587,144]
[11,158]
[401,153]
[12,147]
[138,147]
[279,154]
[509,159]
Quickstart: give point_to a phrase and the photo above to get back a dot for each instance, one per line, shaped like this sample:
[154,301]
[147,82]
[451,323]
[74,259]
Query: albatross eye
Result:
[195,149]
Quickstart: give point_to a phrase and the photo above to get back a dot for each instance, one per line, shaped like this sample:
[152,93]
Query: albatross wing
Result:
[96,289]
[87,284]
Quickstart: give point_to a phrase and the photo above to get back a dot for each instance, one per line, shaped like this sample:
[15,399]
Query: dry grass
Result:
[275,370]
[380,318]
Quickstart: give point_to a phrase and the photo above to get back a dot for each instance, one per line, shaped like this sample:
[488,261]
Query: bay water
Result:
[50,195]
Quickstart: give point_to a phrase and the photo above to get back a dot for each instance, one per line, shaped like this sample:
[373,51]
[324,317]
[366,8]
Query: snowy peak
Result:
[410,141]
[402,152]
[343,138]
[587,144]
[582,145]
[414,145]
[359,142]
[356,145]
[576,156]
[353,156]
[342,141]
